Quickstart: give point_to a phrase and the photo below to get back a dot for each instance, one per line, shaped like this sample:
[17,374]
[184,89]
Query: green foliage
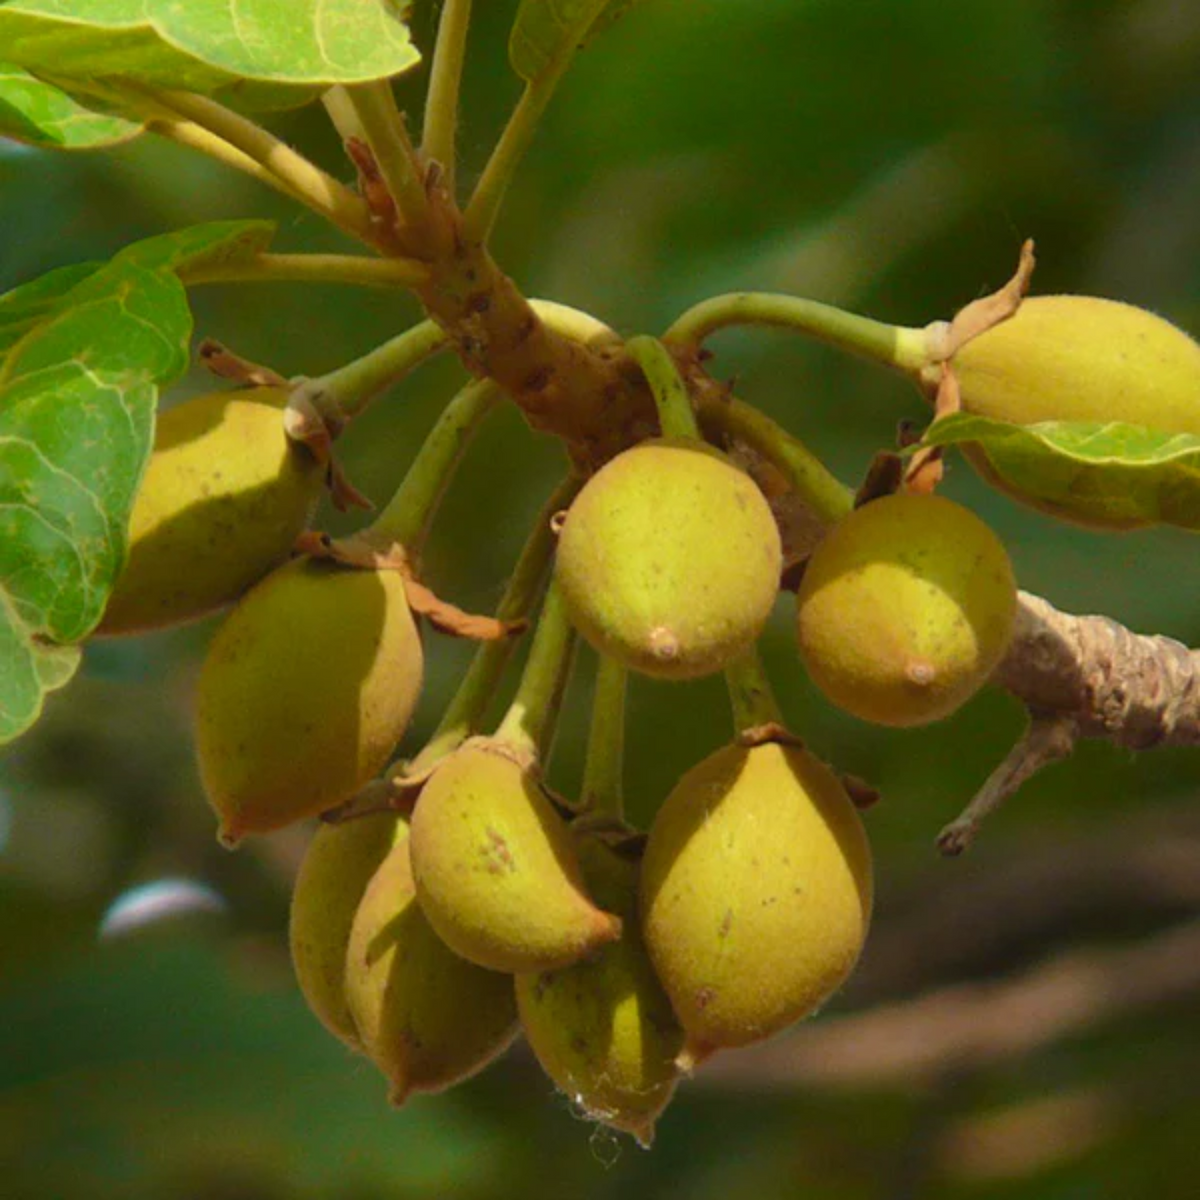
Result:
[1113,475]
[210,46]
[87,351]
[37,112]
[875,156]
[545,32]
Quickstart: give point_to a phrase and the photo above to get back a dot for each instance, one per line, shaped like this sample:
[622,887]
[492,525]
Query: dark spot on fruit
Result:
[726,923]
[704,997]
[537,381]
[499,856]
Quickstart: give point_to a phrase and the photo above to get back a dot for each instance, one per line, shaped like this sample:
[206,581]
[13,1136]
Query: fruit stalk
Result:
[515,140]
[808,477]
[445,78]
[671,398]
[602,793]
[345,393]
[529,723]
[750,695]
[889,345]
[406,519]
[464,714]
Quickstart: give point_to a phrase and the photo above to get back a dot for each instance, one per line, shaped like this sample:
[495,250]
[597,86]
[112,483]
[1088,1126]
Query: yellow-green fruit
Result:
[1080,358]
[669,559]
[306,689]
[427,1017]
[496,873]
[603,1029]
[332,879]
[755,894]
[905,609]
[224,496]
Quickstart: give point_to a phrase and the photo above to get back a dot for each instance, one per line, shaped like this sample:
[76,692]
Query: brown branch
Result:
[1135,690]
[592,396]
[1084,677]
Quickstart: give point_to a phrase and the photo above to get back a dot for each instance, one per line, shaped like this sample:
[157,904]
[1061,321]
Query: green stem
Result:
[675,414]
[345,393]
[529,723]
[603,770]
[375,106]
[891,345]
[465,713]
[750,695]
[445,79]
[304,180]
[809,478]
[311,268]
[407,516]
[489,192]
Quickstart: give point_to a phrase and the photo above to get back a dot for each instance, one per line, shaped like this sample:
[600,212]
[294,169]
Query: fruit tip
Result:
[229,836]
[921,672]
[663,644]
[693,1055]
[643,1134]
[610,927]
[398,1093]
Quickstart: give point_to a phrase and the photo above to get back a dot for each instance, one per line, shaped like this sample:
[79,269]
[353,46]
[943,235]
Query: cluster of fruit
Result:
[476,903]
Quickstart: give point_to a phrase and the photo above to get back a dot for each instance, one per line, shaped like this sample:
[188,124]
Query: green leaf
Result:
[211,46]
[1111,475]
[40,114]
[87,350]
[545,31]
[25,306]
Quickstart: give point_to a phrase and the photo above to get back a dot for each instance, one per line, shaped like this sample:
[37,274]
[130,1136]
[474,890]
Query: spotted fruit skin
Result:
[305,691]
[669,559]
[905,609]
[426,1017]
[756,894]
[1082,358]
[495,869]
[224,497]
[338,865]
[603,1028]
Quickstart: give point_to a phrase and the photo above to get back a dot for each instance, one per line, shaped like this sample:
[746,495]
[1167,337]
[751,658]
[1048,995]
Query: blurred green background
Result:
[1025,1021]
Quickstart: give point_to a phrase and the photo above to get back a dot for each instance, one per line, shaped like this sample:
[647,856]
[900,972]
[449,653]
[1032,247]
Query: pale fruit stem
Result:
[465,713]
[445,78]
[603,770]
[809,478]
[311,268]
[341,113]
[346,392]
[181,115]
[374,105]
[890,345]
[675,414]
[529,723]
[406,518]
[750,695]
